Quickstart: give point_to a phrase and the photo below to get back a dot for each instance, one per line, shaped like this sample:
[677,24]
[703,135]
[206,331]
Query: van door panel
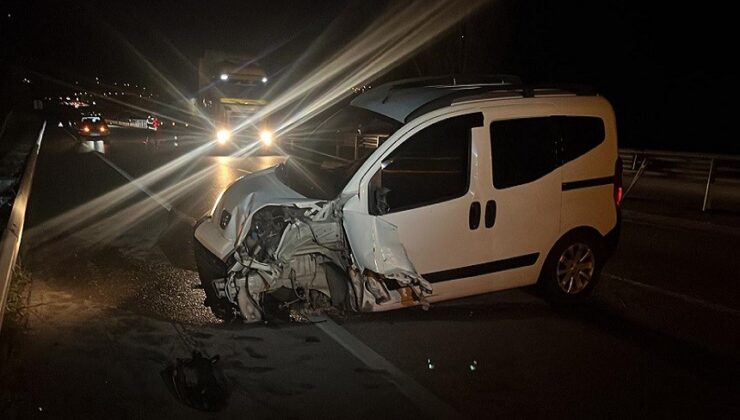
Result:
[527,192]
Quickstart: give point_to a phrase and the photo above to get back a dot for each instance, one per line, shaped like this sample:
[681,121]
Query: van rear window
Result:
[523,150]
[579,135]
[526,149]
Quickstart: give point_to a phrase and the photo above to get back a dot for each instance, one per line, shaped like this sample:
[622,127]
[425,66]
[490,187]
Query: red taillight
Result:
[618,188]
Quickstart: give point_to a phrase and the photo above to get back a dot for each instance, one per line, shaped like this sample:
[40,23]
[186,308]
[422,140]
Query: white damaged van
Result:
[452,191]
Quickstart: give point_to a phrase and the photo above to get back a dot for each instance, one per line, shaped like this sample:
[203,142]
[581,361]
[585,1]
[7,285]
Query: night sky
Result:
[664,68]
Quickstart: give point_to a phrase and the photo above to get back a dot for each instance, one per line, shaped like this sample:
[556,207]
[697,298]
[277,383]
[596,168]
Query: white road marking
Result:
[688,299]
[69,134]
[654,220]
[424,399]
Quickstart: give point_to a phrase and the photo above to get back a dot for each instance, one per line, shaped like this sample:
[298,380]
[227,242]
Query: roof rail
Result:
[529,90]
[483,92]
[453,80]
[526,91]
[406,99]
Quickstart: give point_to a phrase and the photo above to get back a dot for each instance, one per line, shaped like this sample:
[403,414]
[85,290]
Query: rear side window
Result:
[579,135]
[523,150]
[430,167]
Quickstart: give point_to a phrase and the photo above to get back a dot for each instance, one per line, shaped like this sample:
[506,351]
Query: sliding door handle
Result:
[490,213]
[474,215]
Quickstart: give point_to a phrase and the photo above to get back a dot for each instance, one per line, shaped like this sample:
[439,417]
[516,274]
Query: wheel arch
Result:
[577,232]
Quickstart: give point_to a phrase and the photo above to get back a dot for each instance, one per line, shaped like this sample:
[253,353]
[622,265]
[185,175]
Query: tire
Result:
[210,268]
[572,268]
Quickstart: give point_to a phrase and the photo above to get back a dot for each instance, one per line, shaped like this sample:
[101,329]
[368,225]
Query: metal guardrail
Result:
[11,238]
[702,166]
[132,122]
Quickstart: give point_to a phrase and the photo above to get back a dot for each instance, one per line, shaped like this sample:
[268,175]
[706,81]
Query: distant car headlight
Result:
[86,129]
[266,137]
[223,135]
[102,129]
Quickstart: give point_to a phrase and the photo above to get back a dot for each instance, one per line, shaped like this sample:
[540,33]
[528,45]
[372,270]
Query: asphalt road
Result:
[112,304]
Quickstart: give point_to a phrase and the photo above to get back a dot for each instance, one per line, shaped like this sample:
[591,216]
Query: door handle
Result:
[474,215]
[490,213]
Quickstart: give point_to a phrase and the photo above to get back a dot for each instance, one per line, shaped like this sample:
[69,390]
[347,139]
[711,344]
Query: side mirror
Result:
[381,204]
[377,196]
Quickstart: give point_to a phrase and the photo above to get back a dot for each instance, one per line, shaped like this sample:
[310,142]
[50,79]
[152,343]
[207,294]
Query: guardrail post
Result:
[643,165]
[710,178]
[357,146]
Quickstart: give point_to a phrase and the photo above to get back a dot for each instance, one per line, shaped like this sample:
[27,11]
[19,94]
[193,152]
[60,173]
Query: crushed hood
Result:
[273,238]
[241,200]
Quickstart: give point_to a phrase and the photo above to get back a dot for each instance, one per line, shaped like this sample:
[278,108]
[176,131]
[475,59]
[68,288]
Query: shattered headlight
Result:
[224,220]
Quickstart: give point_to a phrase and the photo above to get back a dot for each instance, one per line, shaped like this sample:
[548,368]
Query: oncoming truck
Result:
[231,91]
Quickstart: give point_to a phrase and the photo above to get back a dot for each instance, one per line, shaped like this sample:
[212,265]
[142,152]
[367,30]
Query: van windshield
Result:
[325,152]
[314,180]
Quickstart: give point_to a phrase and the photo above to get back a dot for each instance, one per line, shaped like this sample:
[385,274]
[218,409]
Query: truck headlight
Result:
[266,137]
[223,135]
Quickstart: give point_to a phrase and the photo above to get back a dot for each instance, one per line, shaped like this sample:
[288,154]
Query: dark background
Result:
[665,67]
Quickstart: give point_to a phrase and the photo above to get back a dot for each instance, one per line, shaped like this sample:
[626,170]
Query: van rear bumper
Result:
[611,239]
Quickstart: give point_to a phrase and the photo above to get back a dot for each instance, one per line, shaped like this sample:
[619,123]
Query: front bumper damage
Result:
[312,256]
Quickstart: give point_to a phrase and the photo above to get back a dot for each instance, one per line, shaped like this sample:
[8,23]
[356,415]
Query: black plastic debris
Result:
[197,382]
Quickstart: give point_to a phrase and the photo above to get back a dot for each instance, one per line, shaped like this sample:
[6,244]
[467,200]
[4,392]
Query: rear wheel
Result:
[572,268]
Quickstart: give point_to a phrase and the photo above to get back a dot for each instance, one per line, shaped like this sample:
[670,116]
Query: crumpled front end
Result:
[309,256]
[383,275]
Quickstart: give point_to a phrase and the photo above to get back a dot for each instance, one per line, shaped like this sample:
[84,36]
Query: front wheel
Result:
[572,268]
[211,268]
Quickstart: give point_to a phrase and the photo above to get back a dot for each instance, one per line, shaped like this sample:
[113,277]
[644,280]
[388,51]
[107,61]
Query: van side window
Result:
[579,135]
[523,150]
[430,167]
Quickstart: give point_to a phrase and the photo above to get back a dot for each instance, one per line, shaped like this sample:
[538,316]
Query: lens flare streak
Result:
[399,32]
